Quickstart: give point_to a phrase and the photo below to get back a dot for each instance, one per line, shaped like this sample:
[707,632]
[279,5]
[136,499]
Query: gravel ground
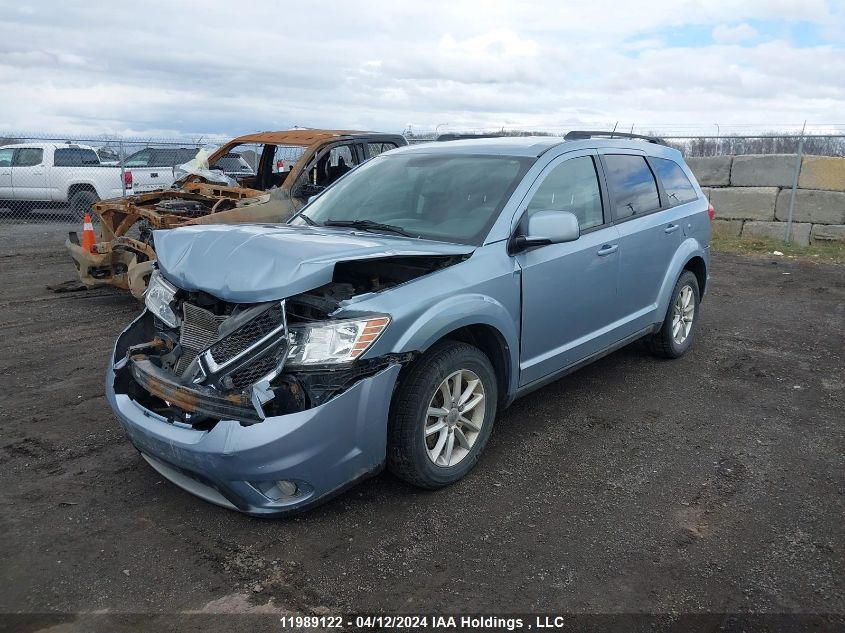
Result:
[709,484]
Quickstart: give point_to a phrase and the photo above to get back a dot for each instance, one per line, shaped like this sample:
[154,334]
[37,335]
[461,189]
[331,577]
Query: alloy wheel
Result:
[683,313]
[454,418]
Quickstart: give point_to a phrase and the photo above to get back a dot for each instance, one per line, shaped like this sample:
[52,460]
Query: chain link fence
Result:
[54,180]
[733,144]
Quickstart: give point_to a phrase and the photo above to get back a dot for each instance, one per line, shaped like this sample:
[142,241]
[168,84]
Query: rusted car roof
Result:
[293,137]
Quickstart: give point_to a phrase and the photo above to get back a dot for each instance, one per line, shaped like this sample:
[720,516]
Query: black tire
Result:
[80,203]
[407,452]
[663,343]
[22,207]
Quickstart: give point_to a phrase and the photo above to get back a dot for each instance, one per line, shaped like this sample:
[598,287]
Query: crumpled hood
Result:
[253,263]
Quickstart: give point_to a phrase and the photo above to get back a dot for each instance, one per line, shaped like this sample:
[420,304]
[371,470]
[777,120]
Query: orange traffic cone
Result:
[89,238]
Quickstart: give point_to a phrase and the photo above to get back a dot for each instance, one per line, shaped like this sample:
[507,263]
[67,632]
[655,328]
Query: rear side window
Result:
[677,186]
[632,184]
[378,148]
[75,157]
[28,157]
[66,158]
[571,186]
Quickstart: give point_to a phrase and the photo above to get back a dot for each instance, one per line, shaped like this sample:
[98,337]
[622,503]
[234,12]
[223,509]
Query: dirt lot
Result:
[714,483]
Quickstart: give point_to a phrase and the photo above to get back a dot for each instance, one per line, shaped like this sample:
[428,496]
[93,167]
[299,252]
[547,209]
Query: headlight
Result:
[159,299]
[331,342]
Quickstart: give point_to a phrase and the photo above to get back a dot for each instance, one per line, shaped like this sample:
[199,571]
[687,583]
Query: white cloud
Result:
[216,68]
[734,34]
[497,46]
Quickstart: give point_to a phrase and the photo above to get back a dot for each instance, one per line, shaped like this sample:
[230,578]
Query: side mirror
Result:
[313,198]
[548,227]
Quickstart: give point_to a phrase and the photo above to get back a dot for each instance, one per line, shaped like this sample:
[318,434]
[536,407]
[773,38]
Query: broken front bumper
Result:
[321,450]
[189,397]
[112,263]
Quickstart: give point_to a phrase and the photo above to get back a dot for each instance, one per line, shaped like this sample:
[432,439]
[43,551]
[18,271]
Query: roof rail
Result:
[468,136]
[578,135]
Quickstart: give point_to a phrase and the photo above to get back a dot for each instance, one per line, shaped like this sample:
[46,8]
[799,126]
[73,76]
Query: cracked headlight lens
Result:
[331,342]
[159,299]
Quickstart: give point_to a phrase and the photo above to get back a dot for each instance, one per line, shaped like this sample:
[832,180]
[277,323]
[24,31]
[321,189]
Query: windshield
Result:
[445,197]
[232,163]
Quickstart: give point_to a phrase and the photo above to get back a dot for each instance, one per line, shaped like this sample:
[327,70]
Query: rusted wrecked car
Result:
[282,170]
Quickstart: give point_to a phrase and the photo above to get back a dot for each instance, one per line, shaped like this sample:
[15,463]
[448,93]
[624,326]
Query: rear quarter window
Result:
[632,184]
[677,186]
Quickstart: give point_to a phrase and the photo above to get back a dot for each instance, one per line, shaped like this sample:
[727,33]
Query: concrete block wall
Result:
[751,195]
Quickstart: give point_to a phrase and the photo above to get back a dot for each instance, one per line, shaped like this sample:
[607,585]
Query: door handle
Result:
[607,249]
[671,228]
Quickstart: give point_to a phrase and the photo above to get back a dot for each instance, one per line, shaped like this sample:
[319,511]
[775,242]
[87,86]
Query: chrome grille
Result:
[200,328]
[249,333]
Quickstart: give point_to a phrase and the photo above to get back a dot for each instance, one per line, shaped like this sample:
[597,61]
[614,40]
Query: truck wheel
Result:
[441,415]
[80,203]
[676,335]
[22,207]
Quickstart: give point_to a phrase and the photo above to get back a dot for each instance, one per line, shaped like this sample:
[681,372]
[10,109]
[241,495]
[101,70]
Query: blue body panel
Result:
[322,449]
[553,308]
[252,263]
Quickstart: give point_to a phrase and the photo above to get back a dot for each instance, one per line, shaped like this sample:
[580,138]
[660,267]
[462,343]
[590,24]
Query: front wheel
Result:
[442,415]
[678,330]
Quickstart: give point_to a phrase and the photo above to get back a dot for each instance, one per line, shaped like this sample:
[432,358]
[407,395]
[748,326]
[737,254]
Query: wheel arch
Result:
[689,256]
[698,267]
[477,319]
[493,345]
[81,186]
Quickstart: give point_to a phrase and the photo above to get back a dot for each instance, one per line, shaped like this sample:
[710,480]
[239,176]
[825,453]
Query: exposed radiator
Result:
[200,328]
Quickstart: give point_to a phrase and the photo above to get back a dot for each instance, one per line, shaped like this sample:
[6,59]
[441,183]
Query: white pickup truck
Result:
[162,164]
[34,175]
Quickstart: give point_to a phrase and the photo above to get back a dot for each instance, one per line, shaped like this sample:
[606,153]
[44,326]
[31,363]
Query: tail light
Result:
[127,179]
[711,212]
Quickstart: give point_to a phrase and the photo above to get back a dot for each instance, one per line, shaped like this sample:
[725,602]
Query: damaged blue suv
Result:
[389,321]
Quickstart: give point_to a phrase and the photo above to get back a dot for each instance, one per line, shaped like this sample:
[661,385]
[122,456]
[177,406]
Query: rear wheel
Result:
[678,330]
[80,203]
[442,415]
[21,207]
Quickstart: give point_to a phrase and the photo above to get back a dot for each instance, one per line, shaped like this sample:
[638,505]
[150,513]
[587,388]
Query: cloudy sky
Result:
[163,68]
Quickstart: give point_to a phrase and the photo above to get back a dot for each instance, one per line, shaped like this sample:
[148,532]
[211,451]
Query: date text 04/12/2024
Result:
[423,622]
